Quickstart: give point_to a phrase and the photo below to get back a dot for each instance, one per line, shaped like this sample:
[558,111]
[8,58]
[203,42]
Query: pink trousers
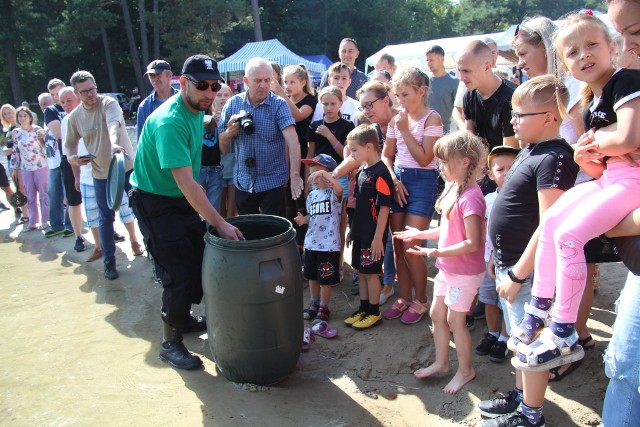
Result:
[581,214]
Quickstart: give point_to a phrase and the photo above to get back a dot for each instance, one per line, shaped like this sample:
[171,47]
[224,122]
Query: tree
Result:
[133,50]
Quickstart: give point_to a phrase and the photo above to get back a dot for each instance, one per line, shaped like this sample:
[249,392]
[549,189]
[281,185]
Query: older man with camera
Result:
[258,126]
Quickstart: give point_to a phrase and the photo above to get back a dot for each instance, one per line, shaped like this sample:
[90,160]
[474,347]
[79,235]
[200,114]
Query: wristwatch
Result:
[514,278]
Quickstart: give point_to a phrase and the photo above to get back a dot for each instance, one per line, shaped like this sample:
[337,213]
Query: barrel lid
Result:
[115,181]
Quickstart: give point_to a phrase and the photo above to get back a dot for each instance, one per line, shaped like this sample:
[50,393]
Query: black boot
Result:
[173,351]
[196,324]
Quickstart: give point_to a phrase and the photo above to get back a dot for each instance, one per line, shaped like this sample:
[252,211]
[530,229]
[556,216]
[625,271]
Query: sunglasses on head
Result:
[203,85]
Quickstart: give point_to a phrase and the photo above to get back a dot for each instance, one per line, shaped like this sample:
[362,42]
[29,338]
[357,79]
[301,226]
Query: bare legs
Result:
[411,269]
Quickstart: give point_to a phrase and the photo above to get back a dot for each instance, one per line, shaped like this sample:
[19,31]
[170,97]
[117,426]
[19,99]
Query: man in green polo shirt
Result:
[169,202]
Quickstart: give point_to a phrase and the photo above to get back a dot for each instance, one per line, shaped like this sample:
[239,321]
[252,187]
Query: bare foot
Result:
[434,368]
[458,381]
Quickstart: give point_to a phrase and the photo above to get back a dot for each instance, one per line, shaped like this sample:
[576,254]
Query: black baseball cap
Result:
[202,67]
[501,149]
[157,66]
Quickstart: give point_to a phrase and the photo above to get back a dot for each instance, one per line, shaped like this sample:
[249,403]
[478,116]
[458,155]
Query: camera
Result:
[246,122]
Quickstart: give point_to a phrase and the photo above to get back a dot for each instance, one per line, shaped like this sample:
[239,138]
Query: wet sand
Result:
[80,350]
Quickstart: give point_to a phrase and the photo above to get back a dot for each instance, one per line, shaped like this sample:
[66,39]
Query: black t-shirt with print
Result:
[516,211]
[373,190]
[623,86]
[340,129]
[52,113]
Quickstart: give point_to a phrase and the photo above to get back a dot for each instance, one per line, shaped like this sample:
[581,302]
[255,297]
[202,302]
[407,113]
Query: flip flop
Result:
[307,338]
[324,330]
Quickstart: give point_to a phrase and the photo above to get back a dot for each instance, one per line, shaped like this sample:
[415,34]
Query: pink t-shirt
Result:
[452,230]
[404,159]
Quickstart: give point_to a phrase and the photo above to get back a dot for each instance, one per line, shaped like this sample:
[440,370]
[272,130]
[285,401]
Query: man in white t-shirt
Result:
[340,77]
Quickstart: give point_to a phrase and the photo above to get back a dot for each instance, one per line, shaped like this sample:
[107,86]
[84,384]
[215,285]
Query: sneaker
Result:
[67,233]
[486,344]
[369,321]
[478,312]
[517,419]
[110,272]
[471,323]
[79,246]
[18,213]
[323,315]
[355,317]
[499,352]
[498,406]
[385,297]
[396,309]
[51,233]
[414,314]
[3,207]
[118,237]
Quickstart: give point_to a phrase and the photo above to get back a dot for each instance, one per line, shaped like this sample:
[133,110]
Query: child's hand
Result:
[419,250]
[301,219]
[491,269]
[408,234]
[324,131]
[315,177]
[508,289]
[586,149]
[377,250]
[402,121]
[348,239]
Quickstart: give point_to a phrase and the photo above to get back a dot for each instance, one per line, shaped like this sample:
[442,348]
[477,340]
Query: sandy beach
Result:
[80,350]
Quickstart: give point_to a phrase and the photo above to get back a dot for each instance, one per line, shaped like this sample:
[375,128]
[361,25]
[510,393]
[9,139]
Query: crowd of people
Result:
[540,168]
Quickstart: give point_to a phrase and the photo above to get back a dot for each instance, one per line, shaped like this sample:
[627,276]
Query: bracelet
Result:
[514,278]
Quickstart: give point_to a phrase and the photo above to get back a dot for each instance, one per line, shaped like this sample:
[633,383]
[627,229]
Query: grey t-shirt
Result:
[441,97]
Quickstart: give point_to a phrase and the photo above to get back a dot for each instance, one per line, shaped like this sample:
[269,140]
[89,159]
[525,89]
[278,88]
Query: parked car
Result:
[122,99]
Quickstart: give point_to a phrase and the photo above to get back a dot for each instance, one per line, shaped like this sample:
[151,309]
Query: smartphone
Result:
[87,156]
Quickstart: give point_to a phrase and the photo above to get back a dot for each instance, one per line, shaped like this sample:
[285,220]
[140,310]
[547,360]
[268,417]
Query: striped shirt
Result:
[404,159]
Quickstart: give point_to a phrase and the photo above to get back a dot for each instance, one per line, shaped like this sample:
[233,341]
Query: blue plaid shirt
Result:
[266,145]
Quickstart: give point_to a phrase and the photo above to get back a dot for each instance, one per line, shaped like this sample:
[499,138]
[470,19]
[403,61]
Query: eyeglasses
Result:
[87,91]
[369,105]
[519,116]
[203,85]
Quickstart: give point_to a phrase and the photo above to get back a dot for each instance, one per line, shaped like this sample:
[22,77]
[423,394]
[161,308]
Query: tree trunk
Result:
[14,75]
[133,51]
[107,58]
[156,31]
[257,28]
[144,45]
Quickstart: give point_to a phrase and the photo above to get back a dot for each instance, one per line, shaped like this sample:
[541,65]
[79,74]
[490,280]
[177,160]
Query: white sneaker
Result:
[385,297]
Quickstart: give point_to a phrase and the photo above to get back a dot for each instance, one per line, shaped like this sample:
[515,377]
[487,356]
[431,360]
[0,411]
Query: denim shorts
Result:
[423,191]
[488,293]
[514,311]
[92,213]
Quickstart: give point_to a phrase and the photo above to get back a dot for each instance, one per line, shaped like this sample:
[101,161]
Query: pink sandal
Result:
[396,309]
[414,314]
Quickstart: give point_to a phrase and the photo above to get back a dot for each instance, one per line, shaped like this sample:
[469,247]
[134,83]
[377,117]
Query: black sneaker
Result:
[499,352]
[110,272]
[79,245]
[196,324]
[18,212]
[498,406]
[68,233]
[3,207]
[517,419]
[118,237]
[486,344]
[471,323]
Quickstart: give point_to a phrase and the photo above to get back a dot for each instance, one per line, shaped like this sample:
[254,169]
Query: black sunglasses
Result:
[203,85]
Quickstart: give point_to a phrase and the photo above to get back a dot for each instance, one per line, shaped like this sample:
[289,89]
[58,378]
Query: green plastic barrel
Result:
[253,297]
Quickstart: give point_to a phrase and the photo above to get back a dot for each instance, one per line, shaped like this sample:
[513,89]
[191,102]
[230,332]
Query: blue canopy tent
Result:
[271,50]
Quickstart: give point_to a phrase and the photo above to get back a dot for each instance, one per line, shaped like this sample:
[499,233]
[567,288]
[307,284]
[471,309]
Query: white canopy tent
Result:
[413,54]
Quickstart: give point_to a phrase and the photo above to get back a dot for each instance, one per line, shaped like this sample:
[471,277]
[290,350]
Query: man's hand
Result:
[229,232]
[75,160]
[297,186]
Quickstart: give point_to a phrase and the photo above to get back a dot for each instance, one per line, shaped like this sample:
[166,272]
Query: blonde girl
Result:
[460,252]
[408,153]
